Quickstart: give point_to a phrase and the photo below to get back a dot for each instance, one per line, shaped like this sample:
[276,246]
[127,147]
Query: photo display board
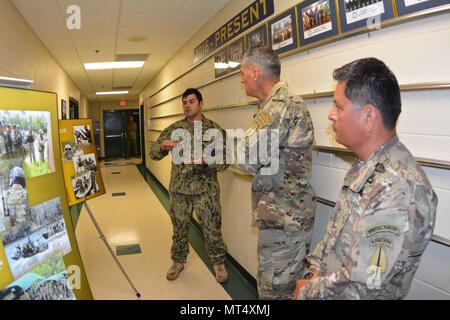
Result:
[39,255]
[82,176]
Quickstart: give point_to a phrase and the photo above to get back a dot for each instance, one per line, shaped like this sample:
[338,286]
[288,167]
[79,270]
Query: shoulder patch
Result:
[263,119]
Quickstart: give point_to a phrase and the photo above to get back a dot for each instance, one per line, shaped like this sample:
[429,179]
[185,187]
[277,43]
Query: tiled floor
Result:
[137,218]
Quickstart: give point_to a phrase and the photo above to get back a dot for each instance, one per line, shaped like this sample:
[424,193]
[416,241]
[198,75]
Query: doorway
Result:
[115,132]
[73,108]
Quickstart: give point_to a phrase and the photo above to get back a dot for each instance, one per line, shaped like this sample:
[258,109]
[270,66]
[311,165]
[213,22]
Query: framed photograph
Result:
[283,32]
[235,52]
[63,109]
[221,63]
[363,13]
[405,7]
[317,20]
[256,38]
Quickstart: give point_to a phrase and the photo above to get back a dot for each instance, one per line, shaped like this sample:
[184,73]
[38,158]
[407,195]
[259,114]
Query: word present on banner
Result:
[246,19]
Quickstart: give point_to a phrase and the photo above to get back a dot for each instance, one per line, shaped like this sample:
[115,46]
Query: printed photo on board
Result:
[82,135]
[27,135]
[14,196]
[41,234]
[85,184]
[71,150]
[47,281]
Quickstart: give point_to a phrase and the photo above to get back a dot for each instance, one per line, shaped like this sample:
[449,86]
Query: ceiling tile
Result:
[92,8]
[146,7]
[38,10]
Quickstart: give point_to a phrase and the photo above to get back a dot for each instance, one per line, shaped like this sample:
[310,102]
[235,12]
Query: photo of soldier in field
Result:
[27,135]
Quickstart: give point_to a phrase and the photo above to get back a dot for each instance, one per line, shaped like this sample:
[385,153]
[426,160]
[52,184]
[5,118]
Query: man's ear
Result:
[371,115]
[257,72]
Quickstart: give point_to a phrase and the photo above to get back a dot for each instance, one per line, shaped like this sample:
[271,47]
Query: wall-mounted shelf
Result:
[332,204]
[317,95]
[219,108]
[439,164]
[438,239]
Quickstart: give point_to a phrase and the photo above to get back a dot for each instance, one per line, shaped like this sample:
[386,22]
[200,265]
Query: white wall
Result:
[417,52]
[23,55]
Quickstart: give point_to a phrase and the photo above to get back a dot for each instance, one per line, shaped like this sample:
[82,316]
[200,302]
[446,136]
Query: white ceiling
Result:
[158,28]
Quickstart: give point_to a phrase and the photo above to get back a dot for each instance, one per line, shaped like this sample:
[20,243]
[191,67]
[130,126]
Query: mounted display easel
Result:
[82,176]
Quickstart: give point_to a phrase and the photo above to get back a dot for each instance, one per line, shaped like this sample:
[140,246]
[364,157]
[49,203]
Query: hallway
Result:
[137,218]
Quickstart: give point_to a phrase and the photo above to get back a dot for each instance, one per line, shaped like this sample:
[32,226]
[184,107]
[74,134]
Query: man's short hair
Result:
[193,91]
[370,81]
[265,58]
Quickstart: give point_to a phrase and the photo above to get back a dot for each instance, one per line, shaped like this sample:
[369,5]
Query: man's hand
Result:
[168,145]
[303,282]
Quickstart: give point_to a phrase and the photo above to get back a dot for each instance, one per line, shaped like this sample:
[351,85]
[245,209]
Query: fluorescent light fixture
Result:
[220,65]
[15,82]
[111,92]
[114,65]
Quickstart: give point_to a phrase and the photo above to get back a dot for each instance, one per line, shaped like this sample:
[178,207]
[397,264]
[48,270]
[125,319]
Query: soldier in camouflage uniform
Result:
[16,198]
[3,143]
[283,198]
[194,186]
[385,214]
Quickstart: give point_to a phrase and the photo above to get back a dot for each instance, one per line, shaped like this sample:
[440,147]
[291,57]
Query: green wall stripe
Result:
[240,285]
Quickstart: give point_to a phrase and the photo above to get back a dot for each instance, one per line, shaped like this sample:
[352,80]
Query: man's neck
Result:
[266,88]
[196,118]
[364,151]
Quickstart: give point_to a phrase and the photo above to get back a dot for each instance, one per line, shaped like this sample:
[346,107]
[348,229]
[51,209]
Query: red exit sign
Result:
[122,103]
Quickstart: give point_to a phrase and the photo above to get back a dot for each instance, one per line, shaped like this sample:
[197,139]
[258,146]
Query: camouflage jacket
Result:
[282,198]
[188,178]
[130,130]
[378,230]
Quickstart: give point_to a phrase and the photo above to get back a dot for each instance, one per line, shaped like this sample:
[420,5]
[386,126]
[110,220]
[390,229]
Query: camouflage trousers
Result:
[281,262]
[208,210]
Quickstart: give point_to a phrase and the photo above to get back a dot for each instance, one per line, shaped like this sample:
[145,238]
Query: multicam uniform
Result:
[130,137]
[194,187]
[378,230]
[283,201]
[16,201]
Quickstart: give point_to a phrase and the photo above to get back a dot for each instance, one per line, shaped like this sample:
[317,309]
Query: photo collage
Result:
[33,236]
[81,171]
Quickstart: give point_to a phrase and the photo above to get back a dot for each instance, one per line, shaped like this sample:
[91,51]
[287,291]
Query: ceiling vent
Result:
[131,57]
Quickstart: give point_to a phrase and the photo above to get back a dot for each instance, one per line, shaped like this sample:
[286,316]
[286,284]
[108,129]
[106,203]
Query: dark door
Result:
[73,108]
[113,123]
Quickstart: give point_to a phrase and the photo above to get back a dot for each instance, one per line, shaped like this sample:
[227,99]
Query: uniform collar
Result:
[274,91]
[191,124]
[360,172]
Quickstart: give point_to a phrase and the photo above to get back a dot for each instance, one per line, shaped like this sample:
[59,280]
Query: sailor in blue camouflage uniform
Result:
[194,184]
[385,214]
[283,198]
